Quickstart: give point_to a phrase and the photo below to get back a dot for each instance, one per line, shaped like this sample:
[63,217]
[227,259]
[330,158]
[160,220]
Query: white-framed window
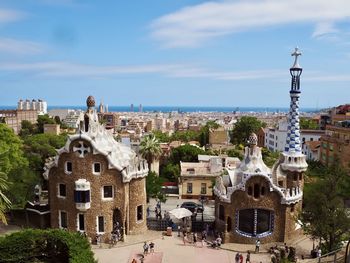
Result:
[62,219]
[139,213]
[189,188]
[96,168]
[81,222]
[68,167]
[107,192]
[62,191]
[100,224]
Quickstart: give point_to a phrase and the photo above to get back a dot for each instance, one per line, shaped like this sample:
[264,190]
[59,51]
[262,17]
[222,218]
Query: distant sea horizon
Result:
[179,108]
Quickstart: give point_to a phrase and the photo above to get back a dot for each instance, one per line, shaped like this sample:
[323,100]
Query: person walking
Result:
[145,248]
[248,257]
[194,239]
[240,258]
[237,258]
[151,247]
[257,246]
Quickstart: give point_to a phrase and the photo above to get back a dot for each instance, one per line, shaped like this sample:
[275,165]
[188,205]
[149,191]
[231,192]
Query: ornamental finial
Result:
[296,54]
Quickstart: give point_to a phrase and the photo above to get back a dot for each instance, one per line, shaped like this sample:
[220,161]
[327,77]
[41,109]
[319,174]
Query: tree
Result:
[150,149]
[324,215]
[5,203]
[27,128]
[171,172]
[14,165]
[161,136]
[154,185]
[308,124]
[244,127]
[269,157]
[44,119]
[185,153]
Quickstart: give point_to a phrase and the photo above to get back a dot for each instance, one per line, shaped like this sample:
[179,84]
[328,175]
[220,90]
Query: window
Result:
[82,196]
[256,190]
[203,188]
[81,222]
[100,224]
[107,192]
[62,218]
[254,222]
[68,167]
[250,190]
[62,192]
[189,188]
[96,168]
[139,213]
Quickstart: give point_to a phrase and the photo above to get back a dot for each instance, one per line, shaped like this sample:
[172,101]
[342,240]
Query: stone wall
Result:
[284,222]
[83,169]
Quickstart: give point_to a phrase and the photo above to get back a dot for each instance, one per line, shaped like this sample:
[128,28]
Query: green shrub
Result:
[55,245]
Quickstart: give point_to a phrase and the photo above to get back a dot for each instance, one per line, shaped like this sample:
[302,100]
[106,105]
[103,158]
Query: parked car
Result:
[192,206]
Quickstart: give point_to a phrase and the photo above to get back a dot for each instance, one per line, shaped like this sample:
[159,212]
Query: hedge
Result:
[54,245]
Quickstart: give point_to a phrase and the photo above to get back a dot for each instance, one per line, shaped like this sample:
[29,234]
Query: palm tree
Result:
[5,203]
[150,150]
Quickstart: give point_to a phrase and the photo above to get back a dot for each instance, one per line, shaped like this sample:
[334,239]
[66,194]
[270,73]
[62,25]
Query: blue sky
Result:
[174,52]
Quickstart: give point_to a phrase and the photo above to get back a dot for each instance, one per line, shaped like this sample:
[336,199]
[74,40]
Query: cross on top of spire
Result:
[296,54]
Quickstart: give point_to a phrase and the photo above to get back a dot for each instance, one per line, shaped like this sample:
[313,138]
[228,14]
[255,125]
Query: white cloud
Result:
[193,25]
[7,15]
[20,47]
[324,28]
[67,69]
[62,69]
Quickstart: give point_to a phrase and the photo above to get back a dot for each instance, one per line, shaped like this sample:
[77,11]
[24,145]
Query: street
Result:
[172,202]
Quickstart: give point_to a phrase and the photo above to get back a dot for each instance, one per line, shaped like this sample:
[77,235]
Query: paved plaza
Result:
[170,249]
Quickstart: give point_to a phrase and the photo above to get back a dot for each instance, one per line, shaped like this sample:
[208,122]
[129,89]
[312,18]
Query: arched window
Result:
[262,192]
[256,190]
[86,122]
[254,222]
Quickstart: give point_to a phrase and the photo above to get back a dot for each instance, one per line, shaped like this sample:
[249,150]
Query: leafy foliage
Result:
[244,127]
[185,153]
[308,124]
[5,203]
[170,172]
[53,245]
[154,187]
[269,157]
[235,153]
[324,215]
[150,148]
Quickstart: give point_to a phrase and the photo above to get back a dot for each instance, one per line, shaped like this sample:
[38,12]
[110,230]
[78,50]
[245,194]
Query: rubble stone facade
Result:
[95,182]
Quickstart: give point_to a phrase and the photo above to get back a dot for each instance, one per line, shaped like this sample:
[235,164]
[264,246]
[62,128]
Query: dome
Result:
[253,139]
[90,102]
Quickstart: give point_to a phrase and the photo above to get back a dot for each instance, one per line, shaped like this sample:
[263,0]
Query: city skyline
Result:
[183,53]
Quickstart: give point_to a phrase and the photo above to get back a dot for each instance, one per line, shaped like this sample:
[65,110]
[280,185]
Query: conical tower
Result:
[294,159]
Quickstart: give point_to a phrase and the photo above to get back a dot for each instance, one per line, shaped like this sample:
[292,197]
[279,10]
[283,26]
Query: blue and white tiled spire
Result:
[293,144]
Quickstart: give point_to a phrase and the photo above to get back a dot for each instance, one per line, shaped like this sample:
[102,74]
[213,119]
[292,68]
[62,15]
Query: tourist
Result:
[178,230]
[319,252]
[148,211]
[203,241]
[286,248]
[257,246]
[248,257]
[240,258]
[237,258]
[194,238]
[145,248]
[151,247]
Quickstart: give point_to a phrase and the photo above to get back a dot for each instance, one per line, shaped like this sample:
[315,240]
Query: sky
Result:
[174,52]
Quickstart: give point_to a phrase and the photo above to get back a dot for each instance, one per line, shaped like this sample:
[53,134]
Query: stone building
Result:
[256,202]
[95,182]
